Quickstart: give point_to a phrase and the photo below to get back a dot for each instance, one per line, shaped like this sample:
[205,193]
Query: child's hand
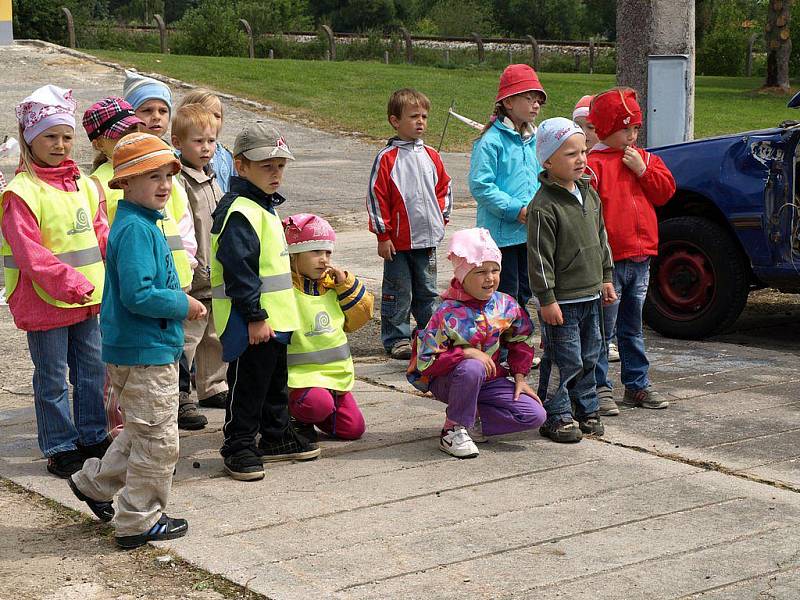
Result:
[521,387]
[85,298]
[609,294]
[522,217]
[551,314]
[386,250]
[634,161]
[487,361]
[259,332]
[196,309]
[338,275]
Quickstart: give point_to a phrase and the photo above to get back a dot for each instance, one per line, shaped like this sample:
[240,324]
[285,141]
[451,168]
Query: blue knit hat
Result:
[138,89]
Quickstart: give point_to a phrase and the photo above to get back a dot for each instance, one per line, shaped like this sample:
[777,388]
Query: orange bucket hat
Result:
[139,153]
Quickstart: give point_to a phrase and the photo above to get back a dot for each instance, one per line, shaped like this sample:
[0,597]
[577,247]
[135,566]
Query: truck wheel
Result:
[698,283]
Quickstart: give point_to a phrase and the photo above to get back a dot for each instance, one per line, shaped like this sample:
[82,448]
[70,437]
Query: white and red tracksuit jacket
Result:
[629,201]
[409,199]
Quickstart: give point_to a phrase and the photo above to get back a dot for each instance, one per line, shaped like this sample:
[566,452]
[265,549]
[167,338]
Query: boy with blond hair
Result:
[194,135]
[409,203]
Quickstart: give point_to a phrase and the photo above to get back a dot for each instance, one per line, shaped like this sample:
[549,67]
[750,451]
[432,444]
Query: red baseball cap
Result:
[517,79]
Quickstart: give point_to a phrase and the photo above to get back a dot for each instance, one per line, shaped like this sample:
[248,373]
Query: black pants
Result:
[258,399]
[184,375]
[514,274]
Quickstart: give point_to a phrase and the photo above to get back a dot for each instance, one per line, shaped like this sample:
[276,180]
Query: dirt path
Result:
[48,552]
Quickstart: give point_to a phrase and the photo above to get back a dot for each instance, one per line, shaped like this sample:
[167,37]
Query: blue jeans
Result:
[514,275]
[409,287]
[573,349]
[630,282]
[59,353]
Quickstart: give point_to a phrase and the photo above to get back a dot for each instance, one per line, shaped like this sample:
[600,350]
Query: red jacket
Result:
[409,198]
[629,201]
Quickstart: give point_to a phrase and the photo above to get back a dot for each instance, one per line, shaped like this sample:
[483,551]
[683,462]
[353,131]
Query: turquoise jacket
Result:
[503,178]
[143,308]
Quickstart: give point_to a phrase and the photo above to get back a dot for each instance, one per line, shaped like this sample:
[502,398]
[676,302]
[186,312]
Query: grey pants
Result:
[141,458]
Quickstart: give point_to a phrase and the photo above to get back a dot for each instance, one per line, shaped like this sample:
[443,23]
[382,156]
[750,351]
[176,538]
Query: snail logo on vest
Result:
[322,325]
[81,223]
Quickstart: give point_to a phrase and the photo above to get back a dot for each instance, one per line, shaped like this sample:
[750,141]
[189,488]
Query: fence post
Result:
[249,31]
[70,26]
[479,43]
[535,57]
[447,56]
[331,42]
[591,56]
[409,49]
[750,44]
[577,61]
[162,33]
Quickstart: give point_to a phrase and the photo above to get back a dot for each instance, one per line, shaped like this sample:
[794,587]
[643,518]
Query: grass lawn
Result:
[351,96]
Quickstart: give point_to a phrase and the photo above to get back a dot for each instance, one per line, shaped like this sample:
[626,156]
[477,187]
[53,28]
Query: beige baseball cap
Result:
[261,141]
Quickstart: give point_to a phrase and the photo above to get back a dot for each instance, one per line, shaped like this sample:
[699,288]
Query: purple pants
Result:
[465,391]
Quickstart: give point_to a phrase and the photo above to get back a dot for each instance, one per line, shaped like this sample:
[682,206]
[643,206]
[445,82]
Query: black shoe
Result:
[216,401]
[166,528]
[244,465]
[591,424]
[291,446]
[306,430]
[102,510]
[189,417]
[563,432]
[97,450]
[65,463]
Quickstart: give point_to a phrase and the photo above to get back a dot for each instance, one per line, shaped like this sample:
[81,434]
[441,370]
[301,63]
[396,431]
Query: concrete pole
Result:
[656,27]
[6,30]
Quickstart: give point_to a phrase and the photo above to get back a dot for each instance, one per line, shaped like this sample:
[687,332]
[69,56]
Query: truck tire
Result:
[699,282]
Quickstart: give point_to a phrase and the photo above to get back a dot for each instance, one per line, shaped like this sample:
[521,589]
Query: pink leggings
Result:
[335,413]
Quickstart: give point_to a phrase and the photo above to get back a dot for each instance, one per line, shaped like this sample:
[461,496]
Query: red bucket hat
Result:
[614,110]
[517,79]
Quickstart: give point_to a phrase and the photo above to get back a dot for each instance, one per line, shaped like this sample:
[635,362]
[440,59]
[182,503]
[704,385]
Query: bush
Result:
[724,49]
[43,19]
[211,29]
[283,48]
[103,35]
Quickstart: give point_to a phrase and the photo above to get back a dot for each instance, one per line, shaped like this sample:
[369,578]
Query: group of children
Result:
[182,247]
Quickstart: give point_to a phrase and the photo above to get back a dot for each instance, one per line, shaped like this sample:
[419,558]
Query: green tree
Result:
[276,15]
[211,29]
[723,50]
[355,15]
[462,17]
[544,19]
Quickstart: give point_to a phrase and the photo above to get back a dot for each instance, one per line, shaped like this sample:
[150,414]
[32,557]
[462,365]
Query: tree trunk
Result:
[779,44]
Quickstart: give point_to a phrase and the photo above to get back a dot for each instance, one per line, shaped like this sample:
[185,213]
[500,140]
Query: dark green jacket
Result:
[568,252]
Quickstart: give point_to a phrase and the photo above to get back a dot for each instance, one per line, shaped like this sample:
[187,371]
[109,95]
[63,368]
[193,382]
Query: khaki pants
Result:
[141,458]
[202,346]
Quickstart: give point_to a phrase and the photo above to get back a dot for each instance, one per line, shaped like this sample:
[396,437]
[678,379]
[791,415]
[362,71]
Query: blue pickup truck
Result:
[732,226]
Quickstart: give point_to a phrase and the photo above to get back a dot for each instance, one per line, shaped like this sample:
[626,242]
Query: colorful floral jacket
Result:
[462,321]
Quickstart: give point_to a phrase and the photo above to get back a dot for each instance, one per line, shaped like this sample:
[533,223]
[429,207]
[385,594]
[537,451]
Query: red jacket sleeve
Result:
[657,180]
[100,222]
[379,206]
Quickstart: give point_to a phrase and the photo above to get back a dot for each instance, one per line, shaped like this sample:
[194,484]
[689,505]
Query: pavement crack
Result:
[553,540]
[764,594]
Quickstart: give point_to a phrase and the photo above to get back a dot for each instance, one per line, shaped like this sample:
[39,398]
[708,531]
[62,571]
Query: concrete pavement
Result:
[698,501]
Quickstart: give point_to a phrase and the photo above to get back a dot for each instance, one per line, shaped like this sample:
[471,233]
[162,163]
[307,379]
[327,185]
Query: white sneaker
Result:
[456,442]
[476,432]
[613,352]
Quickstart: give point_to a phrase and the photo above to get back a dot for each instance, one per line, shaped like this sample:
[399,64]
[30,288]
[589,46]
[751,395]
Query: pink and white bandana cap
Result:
[582,107]
[470,248]
[45,108]
[306,232]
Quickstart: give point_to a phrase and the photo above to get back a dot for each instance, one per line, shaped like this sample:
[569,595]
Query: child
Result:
[331,302]
[409,203]
[143,307]
[194,135]
[105,122]
[152,101]
[569,265]
[254,307]
[580,116]
[503,173]
[457,356]
[222,160]
[631,182]
[53,264]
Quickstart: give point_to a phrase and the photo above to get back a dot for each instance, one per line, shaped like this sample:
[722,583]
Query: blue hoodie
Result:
[503,178]
[143,305]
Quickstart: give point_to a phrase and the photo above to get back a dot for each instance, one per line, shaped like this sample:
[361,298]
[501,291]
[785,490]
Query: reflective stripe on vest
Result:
[318,354]
[277,295]
[67,230]
[176,207]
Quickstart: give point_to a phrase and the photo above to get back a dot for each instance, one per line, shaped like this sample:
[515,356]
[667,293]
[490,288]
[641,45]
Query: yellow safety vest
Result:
[277,295]
[176,207]
[318,355]
[66,224]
